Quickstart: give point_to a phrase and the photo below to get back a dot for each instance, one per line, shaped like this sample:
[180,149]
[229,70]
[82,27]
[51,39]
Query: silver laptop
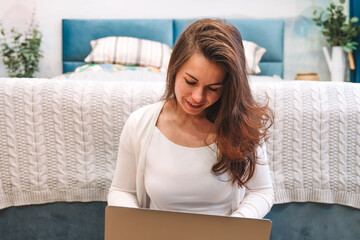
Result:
[144,224]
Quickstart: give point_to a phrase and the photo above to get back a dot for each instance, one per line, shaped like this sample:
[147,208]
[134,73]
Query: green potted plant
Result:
[340,32]
[21,52]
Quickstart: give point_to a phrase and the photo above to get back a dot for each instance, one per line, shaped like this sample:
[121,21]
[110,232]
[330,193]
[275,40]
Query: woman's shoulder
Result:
[141,120]
[148,110]
[145,116]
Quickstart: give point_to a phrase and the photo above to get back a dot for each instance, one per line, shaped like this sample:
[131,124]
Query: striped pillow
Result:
[129,51]
[253,55]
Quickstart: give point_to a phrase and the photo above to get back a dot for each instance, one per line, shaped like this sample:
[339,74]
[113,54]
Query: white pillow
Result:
[253,55]
[129,51]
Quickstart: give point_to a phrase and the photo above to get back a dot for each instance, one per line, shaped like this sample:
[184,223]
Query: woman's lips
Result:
[193,106]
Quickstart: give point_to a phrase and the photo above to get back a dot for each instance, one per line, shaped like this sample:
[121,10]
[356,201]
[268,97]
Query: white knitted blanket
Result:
[59,139]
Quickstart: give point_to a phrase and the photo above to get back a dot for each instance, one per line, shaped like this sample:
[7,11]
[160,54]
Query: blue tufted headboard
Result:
[77,34]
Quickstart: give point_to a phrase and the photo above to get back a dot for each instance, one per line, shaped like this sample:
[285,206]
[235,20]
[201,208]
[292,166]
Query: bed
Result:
[268,34]
[59,146]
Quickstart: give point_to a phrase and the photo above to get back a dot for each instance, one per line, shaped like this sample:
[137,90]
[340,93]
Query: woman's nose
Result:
[198,94]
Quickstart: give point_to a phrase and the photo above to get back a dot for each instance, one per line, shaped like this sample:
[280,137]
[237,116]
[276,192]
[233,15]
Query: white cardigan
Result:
[128,188]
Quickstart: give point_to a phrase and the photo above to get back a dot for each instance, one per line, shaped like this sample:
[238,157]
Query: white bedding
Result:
[138,75]
[59,138]
[141,76]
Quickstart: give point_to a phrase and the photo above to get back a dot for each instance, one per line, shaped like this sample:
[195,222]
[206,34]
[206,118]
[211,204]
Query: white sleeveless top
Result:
[179,178]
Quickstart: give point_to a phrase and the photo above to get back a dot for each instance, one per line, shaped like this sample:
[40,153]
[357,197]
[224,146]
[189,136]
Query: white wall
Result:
[302,52]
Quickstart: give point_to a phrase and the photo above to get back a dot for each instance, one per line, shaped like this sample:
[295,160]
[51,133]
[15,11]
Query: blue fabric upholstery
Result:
[70,221]
[267,33]
[56,221]
[355,12]
[77,35]
[271,68]
[70,66]
[305,221]
[179,26]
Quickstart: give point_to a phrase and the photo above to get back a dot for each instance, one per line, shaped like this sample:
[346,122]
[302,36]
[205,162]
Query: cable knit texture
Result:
[59,139]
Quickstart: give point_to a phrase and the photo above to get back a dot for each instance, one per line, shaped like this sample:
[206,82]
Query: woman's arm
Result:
[123,188]
[259,198]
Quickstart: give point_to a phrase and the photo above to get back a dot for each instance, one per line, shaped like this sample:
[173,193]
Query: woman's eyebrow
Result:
[220,83]
[191,76]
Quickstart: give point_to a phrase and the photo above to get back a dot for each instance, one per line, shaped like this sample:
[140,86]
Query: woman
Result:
[202,148]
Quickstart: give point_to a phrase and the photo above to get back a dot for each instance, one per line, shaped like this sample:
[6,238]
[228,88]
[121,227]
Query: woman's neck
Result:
[183,116]
[188,121]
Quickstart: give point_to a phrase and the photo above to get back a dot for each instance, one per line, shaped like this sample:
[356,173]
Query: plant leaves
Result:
[338,29]
[21,51]
[354,20]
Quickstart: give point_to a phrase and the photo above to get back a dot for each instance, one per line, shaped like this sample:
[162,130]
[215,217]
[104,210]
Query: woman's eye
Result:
[213,89]
[190,83]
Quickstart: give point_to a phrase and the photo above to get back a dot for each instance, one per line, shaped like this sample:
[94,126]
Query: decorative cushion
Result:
[129,51]
[253,55]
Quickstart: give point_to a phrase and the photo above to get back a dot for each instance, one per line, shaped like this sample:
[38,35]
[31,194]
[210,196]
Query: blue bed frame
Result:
[77,34]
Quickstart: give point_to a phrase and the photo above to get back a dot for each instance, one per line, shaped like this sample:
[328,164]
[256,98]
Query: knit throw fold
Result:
[59,138]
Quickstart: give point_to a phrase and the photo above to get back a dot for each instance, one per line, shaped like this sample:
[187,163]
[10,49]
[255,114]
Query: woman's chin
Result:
[192,110]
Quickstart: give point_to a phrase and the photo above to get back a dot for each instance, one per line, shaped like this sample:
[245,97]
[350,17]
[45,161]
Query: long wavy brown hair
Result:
[241,124]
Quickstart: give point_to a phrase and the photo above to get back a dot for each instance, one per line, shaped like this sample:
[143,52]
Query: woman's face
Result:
[198,84]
